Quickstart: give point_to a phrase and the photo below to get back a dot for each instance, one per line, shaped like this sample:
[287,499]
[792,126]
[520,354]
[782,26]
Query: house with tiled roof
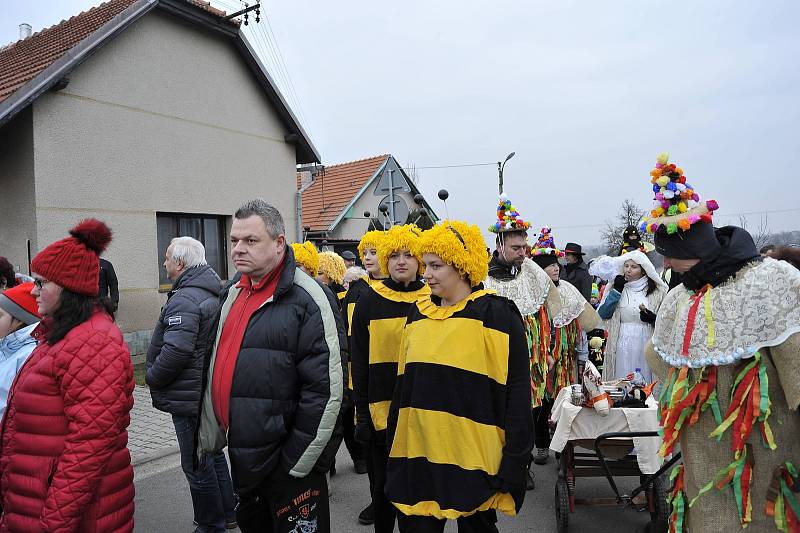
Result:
[339,203]
[155,116]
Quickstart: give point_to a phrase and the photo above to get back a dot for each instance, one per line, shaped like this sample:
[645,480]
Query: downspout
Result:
[298,211]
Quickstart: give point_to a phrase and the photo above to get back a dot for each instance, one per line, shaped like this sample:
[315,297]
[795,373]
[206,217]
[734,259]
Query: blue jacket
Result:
[14,351]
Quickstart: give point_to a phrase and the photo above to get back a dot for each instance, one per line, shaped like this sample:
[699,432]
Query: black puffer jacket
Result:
[287,384]
[180,341]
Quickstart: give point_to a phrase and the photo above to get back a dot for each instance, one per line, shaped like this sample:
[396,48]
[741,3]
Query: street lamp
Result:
[500,167]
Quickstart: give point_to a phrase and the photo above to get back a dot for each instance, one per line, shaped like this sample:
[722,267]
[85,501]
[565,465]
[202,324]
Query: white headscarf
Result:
[608,268]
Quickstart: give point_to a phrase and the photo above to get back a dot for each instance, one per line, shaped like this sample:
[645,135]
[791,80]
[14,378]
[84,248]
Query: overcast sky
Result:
[585,93]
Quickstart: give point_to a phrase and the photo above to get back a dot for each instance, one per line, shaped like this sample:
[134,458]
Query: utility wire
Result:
[452,166]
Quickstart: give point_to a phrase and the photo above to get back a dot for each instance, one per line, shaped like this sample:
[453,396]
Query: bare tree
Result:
[760,234]
[629,214]
[413,173]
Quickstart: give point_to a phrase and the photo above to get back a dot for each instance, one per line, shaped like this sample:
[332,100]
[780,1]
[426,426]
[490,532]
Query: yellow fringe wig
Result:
[460,245]
[371,239]
[405,237]
[332,265]
[306,255]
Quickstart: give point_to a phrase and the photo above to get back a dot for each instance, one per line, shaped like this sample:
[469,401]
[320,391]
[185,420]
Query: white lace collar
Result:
[759,307]
[528,290]
[572,304]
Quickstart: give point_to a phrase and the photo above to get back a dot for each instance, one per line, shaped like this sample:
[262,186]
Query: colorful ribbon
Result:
[677,500]
[782,503]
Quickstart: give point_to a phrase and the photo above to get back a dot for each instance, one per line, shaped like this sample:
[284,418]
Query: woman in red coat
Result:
[64,461]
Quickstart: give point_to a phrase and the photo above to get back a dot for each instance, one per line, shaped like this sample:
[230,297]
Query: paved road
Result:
[163,503]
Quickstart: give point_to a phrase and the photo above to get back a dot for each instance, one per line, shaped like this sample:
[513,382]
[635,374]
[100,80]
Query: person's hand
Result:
[362,433]
[647,315]
[619,283]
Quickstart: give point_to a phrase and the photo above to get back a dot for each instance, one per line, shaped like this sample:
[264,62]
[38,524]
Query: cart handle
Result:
[610,478]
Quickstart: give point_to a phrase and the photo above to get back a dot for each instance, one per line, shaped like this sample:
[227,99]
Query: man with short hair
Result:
[576,271]
[349,258]
[513,275]
[273,381]
[174,375]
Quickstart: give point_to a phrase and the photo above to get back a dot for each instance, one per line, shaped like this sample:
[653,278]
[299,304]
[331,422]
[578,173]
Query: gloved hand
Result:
[362,432]
[647,315]
[619,283]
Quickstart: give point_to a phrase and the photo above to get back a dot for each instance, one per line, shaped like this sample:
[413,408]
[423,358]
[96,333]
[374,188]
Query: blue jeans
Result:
[210,485]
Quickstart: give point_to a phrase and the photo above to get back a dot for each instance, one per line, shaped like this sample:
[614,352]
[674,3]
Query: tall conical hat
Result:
[508,218]
[677,205]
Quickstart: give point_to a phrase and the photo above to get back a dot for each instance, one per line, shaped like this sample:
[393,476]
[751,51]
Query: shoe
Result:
[530,484]
[233,524]
[542,455]
[367,516]
[360,466]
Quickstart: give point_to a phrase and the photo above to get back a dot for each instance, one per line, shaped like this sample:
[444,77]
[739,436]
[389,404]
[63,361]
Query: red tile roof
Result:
[23,60]
[340,184]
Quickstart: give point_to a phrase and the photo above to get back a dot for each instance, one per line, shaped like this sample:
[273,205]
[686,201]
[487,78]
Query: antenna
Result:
[384,209]
[443,196]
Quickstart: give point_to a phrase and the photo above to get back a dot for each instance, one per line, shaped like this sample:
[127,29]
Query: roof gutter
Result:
[53,74]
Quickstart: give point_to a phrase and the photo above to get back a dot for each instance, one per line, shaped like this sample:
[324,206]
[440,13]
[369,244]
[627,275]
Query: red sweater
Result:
[250,299]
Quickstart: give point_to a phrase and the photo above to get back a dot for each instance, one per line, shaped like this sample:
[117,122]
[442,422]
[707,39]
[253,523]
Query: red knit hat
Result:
[20,303]
[73,262]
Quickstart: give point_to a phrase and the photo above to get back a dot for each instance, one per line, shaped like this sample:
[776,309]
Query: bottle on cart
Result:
[638,379]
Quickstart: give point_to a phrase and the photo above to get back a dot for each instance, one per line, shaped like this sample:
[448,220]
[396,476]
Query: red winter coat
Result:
[65,464]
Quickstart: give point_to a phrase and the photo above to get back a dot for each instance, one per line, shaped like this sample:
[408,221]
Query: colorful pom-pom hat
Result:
[544,252]
[508,218]
[677,205]
[681,222]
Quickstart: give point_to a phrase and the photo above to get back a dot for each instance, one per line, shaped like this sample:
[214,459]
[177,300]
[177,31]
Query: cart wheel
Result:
[659,520]
[562,505]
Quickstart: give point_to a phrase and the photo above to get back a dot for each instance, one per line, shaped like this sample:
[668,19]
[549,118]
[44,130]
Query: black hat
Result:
[348,255]
[545,260]
[572,248]
[698,242]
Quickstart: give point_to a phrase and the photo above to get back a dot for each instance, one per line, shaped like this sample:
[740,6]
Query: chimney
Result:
[25,30]
[306,179]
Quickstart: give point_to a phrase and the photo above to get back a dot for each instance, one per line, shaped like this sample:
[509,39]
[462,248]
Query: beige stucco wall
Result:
[17,213]
[165,118]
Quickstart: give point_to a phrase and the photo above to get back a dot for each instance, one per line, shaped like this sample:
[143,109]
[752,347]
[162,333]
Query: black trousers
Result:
[285,504]
[354,448]
[541,425]
[385,512]
[481,522]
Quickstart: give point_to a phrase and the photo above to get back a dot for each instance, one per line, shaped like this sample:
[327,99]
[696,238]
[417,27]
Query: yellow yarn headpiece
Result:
[332,265]
[371,239]
[404,237]
[460,245]
[306,255]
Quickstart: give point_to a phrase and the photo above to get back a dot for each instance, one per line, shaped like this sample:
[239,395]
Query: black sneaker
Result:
[530,484]
[229,524]
[542,455]
[367,516]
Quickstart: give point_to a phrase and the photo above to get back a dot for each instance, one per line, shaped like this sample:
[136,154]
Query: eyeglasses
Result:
[39,283]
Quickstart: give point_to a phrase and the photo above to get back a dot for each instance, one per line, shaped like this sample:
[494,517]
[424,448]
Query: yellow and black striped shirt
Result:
[377,328]
[460,423]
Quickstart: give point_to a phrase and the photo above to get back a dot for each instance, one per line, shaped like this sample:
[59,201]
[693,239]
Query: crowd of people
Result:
[435,361]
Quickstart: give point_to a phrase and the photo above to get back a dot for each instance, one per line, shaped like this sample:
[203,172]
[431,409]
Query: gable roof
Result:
[339,184]
[31,66]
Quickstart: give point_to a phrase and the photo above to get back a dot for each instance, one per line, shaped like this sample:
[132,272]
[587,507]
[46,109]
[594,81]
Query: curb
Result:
[160,454]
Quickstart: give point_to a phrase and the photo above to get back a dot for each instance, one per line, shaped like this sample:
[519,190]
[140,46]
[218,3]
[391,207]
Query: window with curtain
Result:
[208,229]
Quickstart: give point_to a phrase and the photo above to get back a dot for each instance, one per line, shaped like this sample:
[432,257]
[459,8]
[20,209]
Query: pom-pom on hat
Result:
[371,239]
[460,245]
[73,262]
[544,253]
[677,206]
[332,265]
[508,218]
[20,303]
[405,237]
[306,255]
